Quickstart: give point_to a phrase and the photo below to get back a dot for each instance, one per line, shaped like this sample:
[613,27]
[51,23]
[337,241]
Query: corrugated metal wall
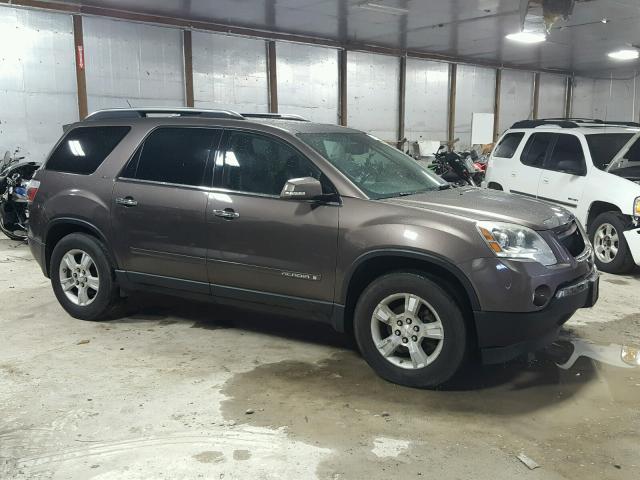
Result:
[373,94]
[426,100]
[308,81]
[606,99]
[37,80]
[230,72]
[516,98]
[475,93]
[553,91]
[131,63]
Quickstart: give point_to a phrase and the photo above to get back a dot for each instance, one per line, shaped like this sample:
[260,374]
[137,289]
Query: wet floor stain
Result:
[241,454]
[209,457]
[616,281]
[341,404]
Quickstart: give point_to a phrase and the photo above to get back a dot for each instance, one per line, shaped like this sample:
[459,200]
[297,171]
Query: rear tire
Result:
[421,317]
[612,253]
[83,279]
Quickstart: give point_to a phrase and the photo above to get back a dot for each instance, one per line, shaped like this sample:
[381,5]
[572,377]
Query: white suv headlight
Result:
[509,240]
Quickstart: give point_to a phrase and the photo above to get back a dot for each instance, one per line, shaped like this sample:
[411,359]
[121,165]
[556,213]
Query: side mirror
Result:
[305,188]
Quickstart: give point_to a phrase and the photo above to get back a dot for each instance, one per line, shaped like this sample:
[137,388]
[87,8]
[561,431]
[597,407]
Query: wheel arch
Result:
[372,265]
[598,207]
[61,227]
[495,186]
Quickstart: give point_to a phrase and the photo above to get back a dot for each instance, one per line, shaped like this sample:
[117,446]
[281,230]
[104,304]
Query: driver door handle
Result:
[127,201]
[227,214]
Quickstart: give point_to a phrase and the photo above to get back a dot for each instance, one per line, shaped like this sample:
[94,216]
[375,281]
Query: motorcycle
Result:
[457,167]
[14,179]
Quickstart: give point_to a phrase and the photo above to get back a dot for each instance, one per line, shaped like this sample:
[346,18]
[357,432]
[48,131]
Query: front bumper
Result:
[633,240]
[503,336]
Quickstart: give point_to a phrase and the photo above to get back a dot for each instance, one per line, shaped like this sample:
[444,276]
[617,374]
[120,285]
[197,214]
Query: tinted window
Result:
[258,164]
[508,146]
[174,155]
[604,146]
[567,155]
[536,149]
[85,148]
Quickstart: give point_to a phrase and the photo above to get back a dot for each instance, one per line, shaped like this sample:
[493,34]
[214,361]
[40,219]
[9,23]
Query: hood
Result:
[630,173]
[478,204]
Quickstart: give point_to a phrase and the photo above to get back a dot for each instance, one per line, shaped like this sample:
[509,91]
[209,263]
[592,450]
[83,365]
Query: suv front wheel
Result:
[410,330]
[610,247]
[82,277]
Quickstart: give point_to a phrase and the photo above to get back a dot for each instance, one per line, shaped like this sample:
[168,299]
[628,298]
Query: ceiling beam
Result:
[260,33]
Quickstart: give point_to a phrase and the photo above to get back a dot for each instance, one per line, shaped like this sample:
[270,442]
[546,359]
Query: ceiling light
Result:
[378,7]
[605,20]
[527,37]
[625,54]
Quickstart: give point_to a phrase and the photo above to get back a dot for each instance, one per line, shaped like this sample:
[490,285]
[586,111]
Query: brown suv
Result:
[319,221]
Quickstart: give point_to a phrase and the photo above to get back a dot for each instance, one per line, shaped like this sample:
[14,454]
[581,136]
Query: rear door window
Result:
[84,149]
[177,155]
[567,155]
[508,145]
[536,149]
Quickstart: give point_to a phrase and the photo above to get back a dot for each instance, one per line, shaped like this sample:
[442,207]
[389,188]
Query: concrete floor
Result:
[164,393]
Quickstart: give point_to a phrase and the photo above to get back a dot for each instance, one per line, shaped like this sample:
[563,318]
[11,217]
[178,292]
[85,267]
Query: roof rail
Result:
[281,116]
[124,113]
[573,123]
[537,123]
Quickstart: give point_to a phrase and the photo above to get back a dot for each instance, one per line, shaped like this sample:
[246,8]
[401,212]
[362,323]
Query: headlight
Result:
[636,207]
[508,240]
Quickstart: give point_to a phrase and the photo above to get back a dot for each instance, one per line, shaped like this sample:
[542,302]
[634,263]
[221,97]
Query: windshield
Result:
[605,146]
[377,169]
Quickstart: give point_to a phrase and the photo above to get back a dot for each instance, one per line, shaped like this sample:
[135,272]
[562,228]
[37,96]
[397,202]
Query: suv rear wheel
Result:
[82,277]
[610,247]
[410,330]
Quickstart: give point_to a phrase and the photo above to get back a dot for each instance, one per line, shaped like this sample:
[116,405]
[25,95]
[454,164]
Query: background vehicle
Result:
[590,167]
[458,167]
[276,213]
[14,179]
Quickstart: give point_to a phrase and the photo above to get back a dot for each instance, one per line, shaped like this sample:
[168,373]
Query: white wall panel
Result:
[308,81]
[37,80]
[132,63]
[606,99]
[426,100]
[373,83]
[516,98]
[475,93]
[230,72]
[551,99]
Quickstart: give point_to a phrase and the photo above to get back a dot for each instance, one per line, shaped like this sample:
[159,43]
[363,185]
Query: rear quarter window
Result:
[84,149]
[508,145]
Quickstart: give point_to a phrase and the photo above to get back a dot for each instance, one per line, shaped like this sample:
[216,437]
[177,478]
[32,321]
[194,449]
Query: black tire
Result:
[107,298]
[623,261]
[495,186]
[11,233]
[455,342]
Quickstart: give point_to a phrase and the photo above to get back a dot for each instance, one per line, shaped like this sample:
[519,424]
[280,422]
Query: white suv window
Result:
[508,145]
[535,151]
[567,156]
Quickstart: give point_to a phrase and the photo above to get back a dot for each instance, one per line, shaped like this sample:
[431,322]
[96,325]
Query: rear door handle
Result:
[513,174]
[228,214]
[127,201]
[545,180]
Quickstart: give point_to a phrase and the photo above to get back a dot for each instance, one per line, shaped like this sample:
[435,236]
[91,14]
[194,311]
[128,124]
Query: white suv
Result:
[590,167]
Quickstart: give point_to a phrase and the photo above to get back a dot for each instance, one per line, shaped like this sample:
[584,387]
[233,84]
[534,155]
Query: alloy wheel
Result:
[407,331]
[79,277]
[606,243]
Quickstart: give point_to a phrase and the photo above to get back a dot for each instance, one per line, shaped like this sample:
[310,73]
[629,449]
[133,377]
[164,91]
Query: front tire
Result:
[410,330]
[611,250]
[82,277]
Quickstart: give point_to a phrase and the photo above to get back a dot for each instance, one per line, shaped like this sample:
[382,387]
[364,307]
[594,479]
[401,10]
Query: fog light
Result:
[541,295]
[631,356]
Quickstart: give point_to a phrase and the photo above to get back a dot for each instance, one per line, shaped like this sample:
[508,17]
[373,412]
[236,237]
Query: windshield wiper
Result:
[446,186]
